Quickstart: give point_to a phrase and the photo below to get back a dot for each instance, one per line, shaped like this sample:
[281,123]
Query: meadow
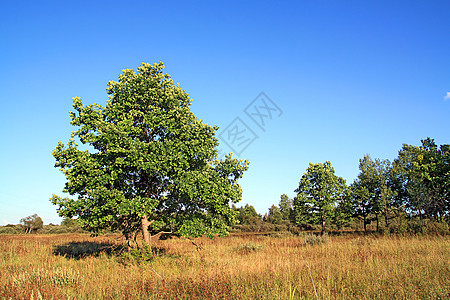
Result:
[240,266]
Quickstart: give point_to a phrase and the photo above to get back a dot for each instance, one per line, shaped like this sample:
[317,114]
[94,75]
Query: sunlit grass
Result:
[235,267]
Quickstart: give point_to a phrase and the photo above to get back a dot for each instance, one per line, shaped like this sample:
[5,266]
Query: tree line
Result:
[145,163]
[34,224]
[410,194]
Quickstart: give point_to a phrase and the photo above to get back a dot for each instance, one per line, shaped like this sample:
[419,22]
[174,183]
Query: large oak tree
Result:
[147,163]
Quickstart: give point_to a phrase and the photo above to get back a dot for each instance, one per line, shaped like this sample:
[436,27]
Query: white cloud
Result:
[5,222]
[446,97]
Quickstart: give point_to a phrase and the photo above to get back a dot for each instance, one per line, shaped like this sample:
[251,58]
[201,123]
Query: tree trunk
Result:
[386,220]
[131,240]
[378,223]
[365,224]
[145,232]
[323,225]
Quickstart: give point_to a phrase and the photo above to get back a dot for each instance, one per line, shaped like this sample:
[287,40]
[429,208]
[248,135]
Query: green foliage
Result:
[361,202]
[422,179]
[46,229]
[275,216]
[431,227]
[287,208]
[139,255]
[12,229]
[389,196]
[319,192]
[68,222]
[419,227]
[260,226]
[247,215]
[150,161]
[371,192]
[343,212]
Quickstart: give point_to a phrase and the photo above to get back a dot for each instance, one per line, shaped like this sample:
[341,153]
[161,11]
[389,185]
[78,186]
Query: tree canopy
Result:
[318,194]
[422,179]
[32,223]
[146,162]
[286,205]
[371,192]
[246,214]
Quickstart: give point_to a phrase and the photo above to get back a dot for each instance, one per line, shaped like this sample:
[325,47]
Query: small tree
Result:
[247,214]
[32,223]
[69,222]
[150,163]
[275,216]
[372,194]
[361,202]
[423,179]
[318,194]
[286,207]
[344,212]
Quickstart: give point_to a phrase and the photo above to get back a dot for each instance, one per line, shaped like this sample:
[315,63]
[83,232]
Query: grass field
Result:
[235,267]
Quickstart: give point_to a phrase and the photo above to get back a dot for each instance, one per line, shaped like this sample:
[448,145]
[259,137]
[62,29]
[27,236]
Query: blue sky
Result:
[350,77]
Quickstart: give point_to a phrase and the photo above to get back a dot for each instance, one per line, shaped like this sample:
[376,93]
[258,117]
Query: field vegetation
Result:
[240,266]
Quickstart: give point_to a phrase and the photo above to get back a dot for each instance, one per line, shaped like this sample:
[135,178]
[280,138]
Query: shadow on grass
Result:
[79,250]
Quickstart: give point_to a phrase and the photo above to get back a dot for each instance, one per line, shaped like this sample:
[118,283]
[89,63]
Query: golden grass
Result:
[235,267]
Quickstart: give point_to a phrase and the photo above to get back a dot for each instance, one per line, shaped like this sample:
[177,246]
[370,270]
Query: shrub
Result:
[405,225]
[12,229]
[141,255]
[312,239]
[248,248]
[434,228]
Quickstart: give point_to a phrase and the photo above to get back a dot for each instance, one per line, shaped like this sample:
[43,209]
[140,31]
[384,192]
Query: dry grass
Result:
[236,267]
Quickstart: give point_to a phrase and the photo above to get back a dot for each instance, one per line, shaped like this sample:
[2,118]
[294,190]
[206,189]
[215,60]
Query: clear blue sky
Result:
[350,77]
